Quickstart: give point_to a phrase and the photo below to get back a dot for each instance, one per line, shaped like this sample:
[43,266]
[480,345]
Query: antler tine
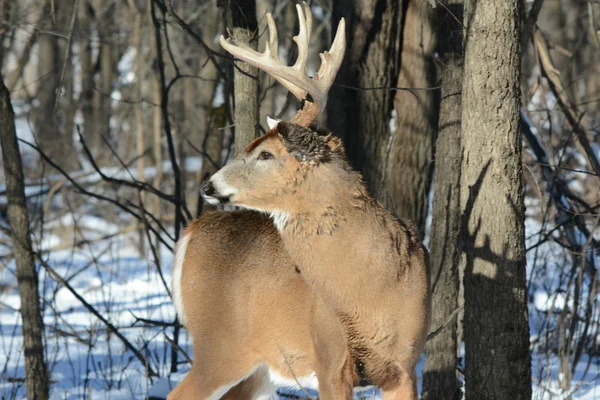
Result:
[302,39]
[332,60]
[294,78]
[273,45]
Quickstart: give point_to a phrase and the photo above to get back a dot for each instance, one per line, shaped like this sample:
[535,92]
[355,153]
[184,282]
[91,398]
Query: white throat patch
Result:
[280,219]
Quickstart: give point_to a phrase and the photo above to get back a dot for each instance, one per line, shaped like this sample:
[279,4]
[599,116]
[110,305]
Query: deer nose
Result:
[207,188]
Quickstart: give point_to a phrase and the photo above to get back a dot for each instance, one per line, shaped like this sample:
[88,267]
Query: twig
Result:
[82,190]
[450,318]
[67,55]
[136,184]
[570,110]
[560,194]
[178,348]
[164,105]
[293,374]
[91,309]
[186,28]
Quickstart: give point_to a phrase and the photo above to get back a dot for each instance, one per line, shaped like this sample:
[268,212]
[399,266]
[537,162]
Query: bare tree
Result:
[390,45]
[36,374]
[361,117]
[245,77]
[439,374]
[498,363]
[45,119]
[411,145]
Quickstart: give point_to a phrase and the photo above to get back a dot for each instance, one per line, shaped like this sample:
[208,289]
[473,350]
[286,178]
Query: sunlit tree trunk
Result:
[439,373]
[410,162]
[245,77]
[497,359]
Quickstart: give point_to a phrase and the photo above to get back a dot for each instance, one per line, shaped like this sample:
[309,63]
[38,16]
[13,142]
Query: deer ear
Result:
[272,122]
[303,143]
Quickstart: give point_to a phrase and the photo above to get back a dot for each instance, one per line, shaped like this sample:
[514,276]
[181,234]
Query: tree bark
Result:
[361,117]
[409,165]
[88,70]
[36,374]
[107,73]
[439,373]
[44,116]
[498,363]
[245,76]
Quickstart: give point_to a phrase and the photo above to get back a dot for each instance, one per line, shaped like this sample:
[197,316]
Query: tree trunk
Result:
[439,373]
[88,70]
[361,117]
[36,374]
[245,76]
[409,166]
[107,63]
[498,363]
[49,69]
[200,125]
[157,127]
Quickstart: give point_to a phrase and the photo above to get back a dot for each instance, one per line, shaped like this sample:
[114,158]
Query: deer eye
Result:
[265,155]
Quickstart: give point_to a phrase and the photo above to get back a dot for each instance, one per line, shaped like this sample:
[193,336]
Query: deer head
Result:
[269,171]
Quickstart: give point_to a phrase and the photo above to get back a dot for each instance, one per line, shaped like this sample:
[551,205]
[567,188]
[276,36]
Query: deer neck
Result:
[323,200]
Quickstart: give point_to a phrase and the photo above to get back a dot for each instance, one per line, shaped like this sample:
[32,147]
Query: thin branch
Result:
[135,184]
[570,111]
[82,190]
[164,105]
[67,55]
[91,309]
[450,318]
[186,28]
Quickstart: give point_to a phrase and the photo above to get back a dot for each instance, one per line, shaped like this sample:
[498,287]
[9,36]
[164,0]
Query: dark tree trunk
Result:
[245,76]
[361,117]
[390,43]
[439,373]
[36,374]
[45,119]
[52,116]
[409,166]
[7,10]
[498,363]
[88,70]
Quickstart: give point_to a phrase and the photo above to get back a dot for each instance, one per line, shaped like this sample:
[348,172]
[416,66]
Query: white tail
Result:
[336,289]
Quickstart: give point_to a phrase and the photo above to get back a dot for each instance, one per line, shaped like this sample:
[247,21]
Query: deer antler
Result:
[313,92]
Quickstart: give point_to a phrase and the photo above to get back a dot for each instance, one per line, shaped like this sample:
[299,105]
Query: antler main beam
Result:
[312,91]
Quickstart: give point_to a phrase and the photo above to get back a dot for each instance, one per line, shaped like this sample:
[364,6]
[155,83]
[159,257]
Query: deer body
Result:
[369,269]
[359,308]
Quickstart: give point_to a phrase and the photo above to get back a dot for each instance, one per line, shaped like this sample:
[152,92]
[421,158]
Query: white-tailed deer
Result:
[335,290]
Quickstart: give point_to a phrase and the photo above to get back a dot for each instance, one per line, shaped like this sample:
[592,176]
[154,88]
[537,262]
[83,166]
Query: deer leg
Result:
[405,388]
[211,382]
[334,365]
[256,386]
[336,379]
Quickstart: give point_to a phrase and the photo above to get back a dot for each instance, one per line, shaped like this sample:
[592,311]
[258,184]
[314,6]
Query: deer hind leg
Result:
[210,383]
[336,379]
[256,386]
